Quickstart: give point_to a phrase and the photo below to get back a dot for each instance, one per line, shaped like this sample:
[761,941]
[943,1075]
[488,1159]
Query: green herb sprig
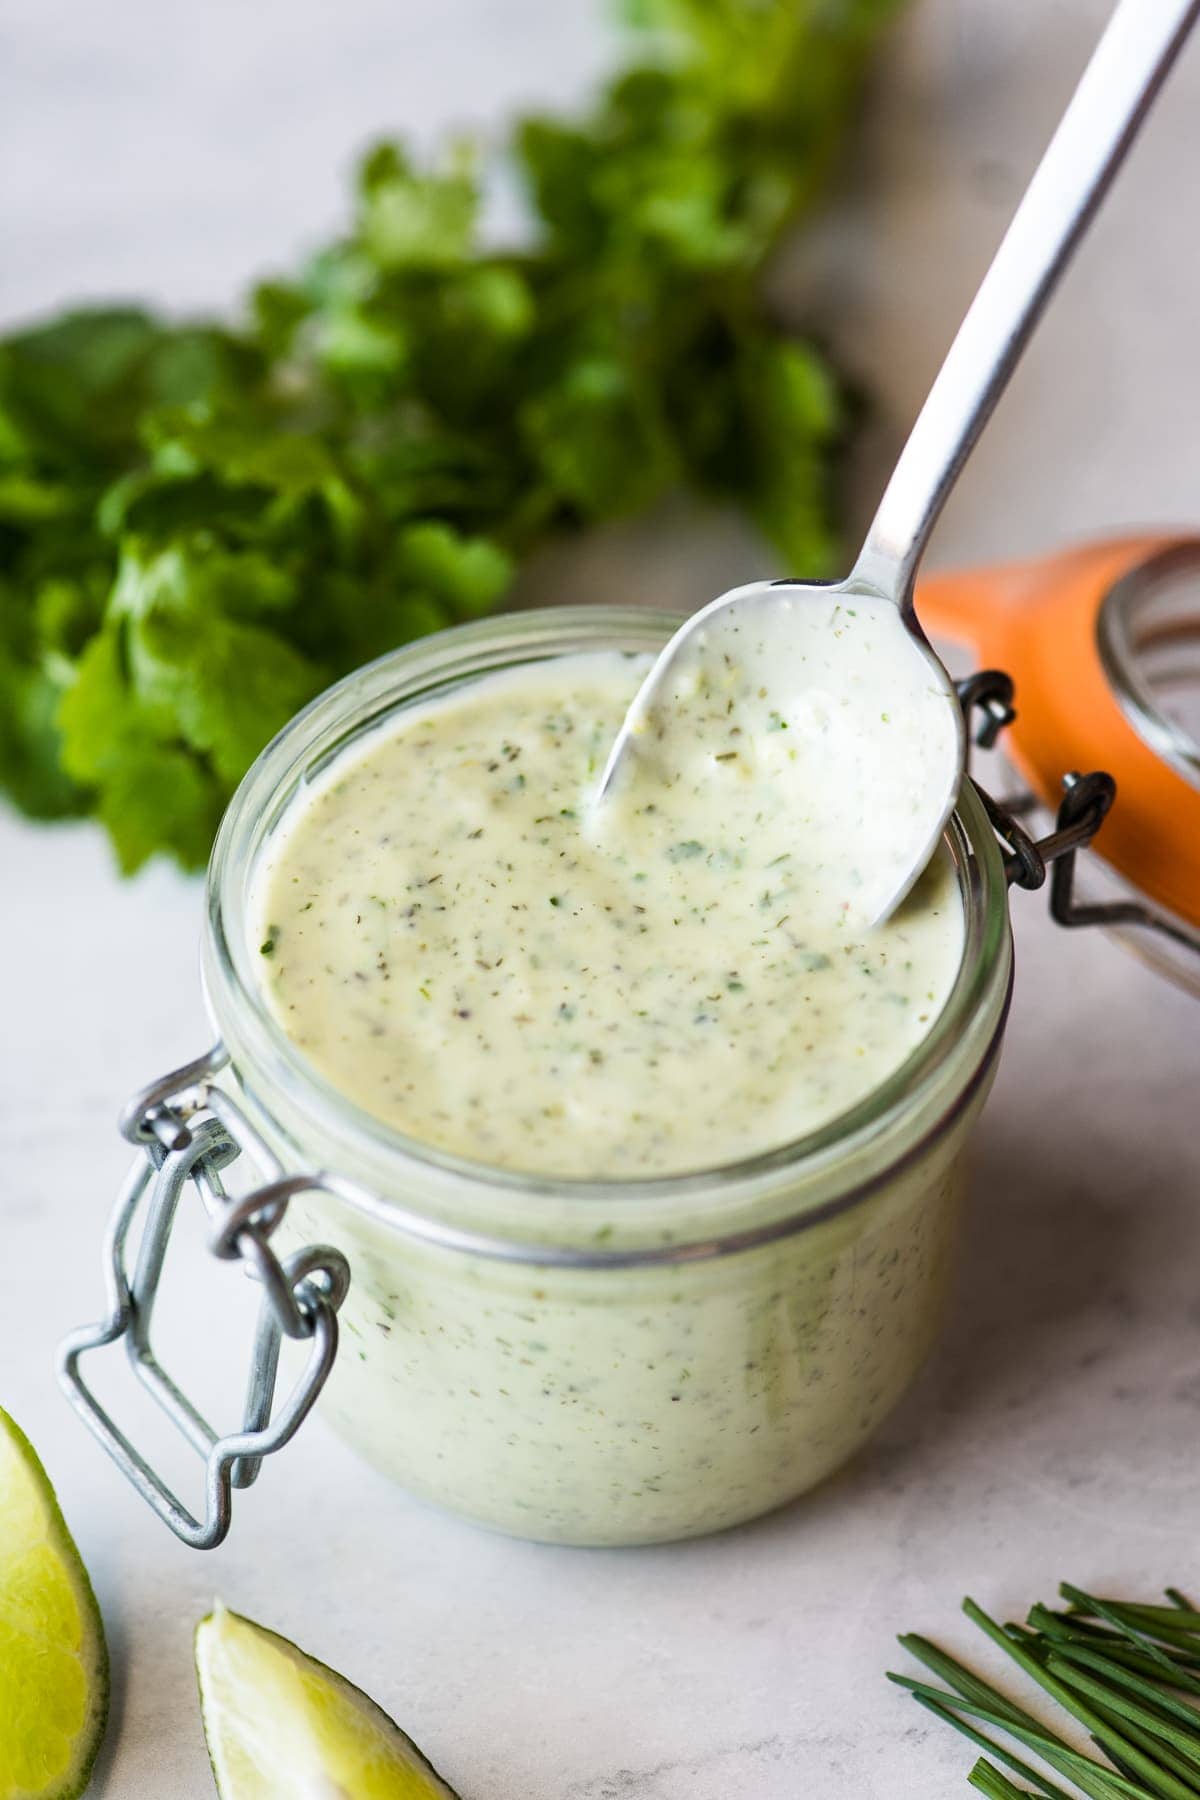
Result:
[202,525]
[1122,1670]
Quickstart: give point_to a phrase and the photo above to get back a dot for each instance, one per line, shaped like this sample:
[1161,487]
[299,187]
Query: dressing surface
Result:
[468,946]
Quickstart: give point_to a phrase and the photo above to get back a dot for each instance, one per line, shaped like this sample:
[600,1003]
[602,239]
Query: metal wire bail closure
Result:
[187,1133]
[1085,803]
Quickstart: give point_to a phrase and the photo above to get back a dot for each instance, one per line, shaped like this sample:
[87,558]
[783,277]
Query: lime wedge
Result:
[281,1725]
[53,1663]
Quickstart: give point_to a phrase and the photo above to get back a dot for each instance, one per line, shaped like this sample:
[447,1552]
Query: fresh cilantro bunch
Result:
[201,527]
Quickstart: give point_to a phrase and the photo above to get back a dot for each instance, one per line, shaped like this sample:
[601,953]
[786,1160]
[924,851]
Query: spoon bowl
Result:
[827,675]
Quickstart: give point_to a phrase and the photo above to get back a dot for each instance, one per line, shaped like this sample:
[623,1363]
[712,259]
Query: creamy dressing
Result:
[465,945]
[863,784]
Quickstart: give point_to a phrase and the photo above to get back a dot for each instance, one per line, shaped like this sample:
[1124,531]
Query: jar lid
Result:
[1103,645]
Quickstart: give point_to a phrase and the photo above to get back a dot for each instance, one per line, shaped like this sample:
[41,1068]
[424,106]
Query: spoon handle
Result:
[1114,95]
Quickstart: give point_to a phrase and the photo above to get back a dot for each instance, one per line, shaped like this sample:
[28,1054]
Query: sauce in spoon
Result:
[811,720]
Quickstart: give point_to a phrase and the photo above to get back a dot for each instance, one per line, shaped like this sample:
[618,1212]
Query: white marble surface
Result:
[168,150]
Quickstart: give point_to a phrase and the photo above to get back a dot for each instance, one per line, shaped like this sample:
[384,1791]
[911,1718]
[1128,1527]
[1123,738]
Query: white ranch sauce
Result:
[467,948]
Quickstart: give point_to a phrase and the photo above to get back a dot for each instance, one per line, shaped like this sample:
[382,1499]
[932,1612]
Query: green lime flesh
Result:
[280,1724]
[53,1660]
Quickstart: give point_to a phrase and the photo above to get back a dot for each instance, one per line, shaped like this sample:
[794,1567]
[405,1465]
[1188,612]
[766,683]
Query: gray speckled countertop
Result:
[169,150]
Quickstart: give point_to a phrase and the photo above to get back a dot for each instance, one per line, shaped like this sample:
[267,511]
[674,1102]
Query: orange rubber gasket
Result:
[1037,620]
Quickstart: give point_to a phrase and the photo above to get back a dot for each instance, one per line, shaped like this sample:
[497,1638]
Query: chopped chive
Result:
[1160,1780]
[991,1781]
[1115,1760]
[1013,1761]
[1112,1616]
[1125,1671]
[1135,1718]
[1070,1628]
[1123,1677]
[1095,1780]
[959,1678]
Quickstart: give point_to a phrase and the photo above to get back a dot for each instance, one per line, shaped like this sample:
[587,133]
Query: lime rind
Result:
[278,1723]
[53,1658]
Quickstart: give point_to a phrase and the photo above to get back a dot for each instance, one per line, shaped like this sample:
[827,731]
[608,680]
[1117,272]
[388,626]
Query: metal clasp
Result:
[1085,804]
[188,1132]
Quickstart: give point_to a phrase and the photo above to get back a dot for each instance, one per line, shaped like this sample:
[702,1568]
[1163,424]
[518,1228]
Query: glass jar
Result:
[586,1362]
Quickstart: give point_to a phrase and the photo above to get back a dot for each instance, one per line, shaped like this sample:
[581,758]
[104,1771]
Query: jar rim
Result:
[280,1083]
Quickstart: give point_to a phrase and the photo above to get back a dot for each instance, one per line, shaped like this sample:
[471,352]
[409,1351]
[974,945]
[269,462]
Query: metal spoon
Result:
[837,648]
